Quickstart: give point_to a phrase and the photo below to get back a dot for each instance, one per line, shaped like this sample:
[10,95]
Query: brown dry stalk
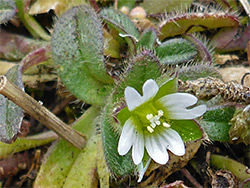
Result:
[40,113]
[206,88]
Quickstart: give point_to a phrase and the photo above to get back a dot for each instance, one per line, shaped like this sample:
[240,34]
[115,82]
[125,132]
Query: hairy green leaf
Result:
[147,39]
[77,47]
[176,51]
[195,22]
[215,123]
[11,115]
[7,10]
[118,165]
[123,25]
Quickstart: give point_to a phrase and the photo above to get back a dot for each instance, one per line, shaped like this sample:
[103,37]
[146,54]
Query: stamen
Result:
[166,125]
[153,125]
[160,113]
[150,129]
[149,116]
[157,122]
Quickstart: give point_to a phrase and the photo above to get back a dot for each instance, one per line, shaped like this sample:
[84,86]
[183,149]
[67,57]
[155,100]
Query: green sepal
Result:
[147,39]
[216,123]
[169,87]
[189,130]
[123,115]
[176,51]
[118,165]
[78,51]
[121,23]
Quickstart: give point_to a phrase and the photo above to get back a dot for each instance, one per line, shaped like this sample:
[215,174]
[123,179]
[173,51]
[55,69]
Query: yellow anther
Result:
[150,129]
[149,116]
[166,125]
[160,113]
[157,122]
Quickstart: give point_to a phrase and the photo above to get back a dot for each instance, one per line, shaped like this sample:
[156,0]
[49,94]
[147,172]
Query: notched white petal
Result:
[177,112]
[149,89]
[133,98]
[138,148]
[127,137]
[173,141]
[155,150]
[178,99]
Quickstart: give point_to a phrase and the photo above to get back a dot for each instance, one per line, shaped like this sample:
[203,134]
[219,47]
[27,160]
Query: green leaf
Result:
[7,10]
[118,165]
[176,51]
[22,144]
[111,46]
[225,163]
[78,50]
[198,70]
[189,130]
[61,156]
[205,50]
[147,39]
[122,24]
[11,115]
[35,29]
[82,172]
[215,123]
[195,22]
[102,168]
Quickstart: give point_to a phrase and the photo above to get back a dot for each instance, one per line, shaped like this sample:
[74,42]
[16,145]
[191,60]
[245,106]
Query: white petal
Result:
[155,150]
[149,89]
[177,112]
[180,99]
[173,141]
[138,148]
[133,98]
[126,138]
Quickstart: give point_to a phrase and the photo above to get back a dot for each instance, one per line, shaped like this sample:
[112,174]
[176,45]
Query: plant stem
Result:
[241,171]
[40,113]
[30,23]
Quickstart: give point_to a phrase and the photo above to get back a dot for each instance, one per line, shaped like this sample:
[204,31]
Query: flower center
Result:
[156,120]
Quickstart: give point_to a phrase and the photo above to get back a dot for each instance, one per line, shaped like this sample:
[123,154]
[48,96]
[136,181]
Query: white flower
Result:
[149,125]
